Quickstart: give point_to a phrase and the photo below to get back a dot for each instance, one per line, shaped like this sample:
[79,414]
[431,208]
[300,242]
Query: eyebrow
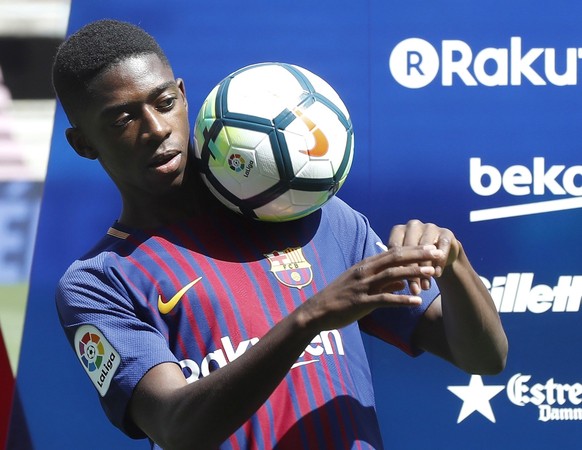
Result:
[153,94]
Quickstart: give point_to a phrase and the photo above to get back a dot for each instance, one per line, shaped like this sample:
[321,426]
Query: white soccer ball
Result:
[274,141]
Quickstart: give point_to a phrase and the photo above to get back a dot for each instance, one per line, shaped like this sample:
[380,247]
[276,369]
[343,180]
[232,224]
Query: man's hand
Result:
[372,284]
[416,233]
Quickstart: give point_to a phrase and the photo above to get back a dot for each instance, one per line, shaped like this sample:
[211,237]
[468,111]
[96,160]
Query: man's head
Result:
[91,50]
[126,109]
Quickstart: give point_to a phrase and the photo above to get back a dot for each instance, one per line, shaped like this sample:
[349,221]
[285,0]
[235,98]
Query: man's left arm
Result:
[462,325]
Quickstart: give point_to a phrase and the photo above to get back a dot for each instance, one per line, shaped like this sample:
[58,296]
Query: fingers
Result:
[413,233]
[392,279]
[389,299]
[443,243]
[388,271]
[424,255]
[416,232]
[376,282]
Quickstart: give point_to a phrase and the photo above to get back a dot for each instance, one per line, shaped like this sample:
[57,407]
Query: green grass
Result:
[12,311]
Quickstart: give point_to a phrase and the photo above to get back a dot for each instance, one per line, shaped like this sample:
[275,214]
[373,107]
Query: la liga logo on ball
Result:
[274,141]
[236,162]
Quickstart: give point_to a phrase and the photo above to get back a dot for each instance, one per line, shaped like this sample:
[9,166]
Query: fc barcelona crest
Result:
[290,267]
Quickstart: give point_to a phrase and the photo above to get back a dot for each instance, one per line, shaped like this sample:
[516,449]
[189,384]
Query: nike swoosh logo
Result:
[321,145]
[166,307]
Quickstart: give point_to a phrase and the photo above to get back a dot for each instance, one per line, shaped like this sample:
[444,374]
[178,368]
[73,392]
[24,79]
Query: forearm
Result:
[473,330]
[209,410]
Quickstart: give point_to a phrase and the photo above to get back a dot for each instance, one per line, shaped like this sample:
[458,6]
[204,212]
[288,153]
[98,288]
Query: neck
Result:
[188,200]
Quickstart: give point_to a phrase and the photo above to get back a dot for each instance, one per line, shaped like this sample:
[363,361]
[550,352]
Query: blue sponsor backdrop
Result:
[484,95]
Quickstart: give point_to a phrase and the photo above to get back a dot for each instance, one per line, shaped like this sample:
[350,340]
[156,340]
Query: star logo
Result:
[476,397]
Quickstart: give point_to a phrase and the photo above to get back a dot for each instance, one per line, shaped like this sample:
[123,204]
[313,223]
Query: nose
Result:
[155,127]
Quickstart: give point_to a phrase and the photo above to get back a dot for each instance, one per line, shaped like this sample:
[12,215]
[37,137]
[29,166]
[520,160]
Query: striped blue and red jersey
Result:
[201,292]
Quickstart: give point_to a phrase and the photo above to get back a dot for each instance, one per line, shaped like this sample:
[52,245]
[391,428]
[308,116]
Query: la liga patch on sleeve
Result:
[97,356]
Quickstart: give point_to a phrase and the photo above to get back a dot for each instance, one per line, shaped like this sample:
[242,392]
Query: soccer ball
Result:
[274,141]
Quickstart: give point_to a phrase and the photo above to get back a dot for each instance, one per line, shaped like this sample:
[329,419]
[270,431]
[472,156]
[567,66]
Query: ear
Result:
[80,144]
[182,87]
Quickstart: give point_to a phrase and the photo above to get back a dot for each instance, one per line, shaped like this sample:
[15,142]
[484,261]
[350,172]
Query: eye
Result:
[122,120]
[166,103]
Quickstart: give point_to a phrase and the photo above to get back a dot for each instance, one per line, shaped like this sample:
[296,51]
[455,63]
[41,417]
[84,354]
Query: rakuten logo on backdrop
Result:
[415,63]
[535,179]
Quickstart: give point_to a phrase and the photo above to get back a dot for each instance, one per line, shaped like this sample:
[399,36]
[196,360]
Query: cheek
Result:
[117,158]
[183,124]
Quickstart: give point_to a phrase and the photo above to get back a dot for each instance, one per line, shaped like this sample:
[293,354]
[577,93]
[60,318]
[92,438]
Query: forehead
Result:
[129,80]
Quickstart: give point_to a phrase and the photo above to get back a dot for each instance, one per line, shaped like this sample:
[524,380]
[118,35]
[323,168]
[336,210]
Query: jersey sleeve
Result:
[113,345]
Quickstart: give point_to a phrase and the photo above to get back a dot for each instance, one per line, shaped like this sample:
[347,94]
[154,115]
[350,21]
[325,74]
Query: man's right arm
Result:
[176,414]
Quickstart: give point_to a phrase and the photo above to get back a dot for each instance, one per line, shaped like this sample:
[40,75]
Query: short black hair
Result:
[92,49]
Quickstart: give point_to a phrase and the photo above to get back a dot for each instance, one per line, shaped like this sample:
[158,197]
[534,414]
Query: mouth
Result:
[166,162]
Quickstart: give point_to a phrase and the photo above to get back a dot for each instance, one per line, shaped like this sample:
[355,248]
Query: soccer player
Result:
[200,328]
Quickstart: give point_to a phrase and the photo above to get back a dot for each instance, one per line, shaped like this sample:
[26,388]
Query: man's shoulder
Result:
[340,213]
[95,259]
